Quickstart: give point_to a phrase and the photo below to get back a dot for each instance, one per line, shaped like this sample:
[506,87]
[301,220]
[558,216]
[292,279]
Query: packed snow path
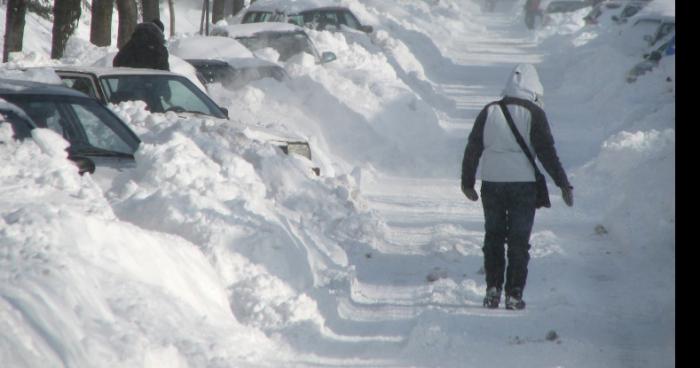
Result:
[416,297]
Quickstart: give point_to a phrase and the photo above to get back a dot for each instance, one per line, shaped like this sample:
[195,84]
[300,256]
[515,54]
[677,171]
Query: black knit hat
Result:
[159,24]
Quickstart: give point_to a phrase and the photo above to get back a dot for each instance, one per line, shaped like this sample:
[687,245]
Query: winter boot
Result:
[514,299]
[493,297]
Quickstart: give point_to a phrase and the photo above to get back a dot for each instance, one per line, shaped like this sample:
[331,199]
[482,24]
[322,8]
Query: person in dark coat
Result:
[508,182]
[145,49]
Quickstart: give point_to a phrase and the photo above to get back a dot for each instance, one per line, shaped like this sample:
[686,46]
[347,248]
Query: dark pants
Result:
[509,212]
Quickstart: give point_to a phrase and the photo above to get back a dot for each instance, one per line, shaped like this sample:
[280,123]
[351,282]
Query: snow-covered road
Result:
[423,286]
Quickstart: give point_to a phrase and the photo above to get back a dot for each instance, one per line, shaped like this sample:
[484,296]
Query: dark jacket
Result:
[145,49]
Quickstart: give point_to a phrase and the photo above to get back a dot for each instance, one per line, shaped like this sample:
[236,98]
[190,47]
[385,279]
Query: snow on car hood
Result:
[208,47]
[256,132]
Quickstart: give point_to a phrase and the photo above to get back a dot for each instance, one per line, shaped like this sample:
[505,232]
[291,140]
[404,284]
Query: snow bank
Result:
[627,176]
[81,288]
[260,216]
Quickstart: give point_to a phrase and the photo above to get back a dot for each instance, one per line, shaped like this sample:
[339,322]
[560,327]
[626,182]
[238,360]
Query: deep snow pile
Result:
[625,132]
[219,250]
[82,288]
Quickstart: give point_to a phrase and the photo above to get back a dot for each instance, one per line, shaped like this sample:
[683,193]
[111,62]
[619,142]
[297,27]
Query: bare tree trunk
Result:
[171,7]
[66,14]
[204,22]
[238,5]
[101,22]
[14,27]
[127,20]
[151,10]
[217,11]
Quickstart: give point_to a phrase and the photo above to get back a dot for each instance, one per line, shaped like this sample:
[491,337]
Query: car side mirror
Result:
[85,165]
[327,57]
[225,111]
[367,29]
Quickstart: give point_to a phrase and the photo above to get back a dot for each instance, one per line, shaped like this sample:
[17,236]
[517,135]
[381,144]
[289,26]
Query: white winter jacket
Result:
[492,145]
[503,160]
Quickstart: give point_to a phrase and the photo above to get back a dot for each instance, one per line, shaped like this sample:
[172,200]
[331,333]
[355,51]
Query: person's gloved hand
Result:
[567,194]
[470,193]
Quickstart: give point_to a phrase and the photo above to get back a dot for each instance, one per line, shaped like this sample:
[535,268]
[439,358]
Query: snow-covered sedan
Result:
[224,60]
[286,39]
[320,15]
[164,91]
[97,137]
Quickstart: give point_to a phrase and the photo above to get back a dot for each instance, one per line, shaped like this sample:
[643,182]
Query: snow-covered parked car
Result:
[286,39]
[97,137]
[628,10]
[652,60]
[565,6]
[644,33]
[164,91]
[319,15]
[658,27]
[224,60]
[597,11]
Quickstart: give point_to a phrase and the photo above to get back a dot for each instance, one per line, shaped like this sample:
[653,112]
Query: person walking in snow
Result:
[508,180]
[145,49]
[532,10]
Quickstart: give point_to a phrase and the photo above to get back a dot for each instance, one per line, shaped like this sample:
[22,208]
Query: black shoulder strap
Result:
[517,135]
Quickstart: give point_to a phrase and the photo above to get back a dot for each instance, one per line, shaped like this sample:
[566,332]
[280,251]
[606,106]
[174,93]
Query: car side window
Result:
[182,98]
[81,84]
[97,132]
[349,20]
[297,19]
[665,29]
[45,115]
[328,19]
[21,127]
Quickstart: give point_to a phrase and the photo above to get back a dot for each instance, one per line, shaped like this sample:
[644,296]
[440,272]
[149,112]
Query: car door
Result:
[83,82]
[96,133]
[92,130]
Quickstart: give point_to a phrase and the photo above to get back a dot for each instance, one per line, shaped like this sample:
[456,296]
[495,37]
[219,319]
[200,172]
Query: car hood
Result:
[258,132]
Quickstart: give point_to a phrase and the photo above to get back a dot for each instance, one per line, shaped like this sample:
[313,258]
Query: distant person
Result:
[509,186]
[532,10]
[490,5]
[145,49]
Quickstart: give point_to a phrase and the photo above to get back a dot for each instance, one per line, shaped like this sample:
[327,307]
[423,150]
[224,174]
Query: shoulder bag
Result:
[540,180]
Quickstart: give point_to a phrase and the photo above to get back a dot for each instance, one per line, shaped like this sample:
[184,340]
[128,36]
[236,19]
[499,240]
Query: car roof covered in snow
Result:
[659,8]
[21,86]
[100,71]
[660,18]
[208,47]
[251,29]
[294,6]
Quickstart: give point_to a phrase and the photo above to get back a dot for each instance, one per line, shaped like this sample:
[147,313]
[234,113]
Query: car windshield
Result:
[256,16]
[287,44]
[161,93]
[214,71]
[84,122]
